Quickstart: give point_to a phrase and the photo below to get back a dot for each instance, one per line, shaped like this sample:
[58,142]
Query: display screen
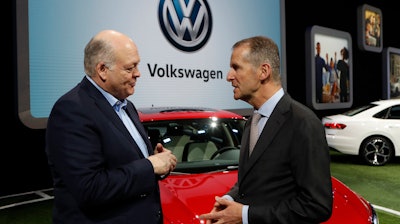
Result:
[184,46]
[329,68]
[370,28]
[391,73]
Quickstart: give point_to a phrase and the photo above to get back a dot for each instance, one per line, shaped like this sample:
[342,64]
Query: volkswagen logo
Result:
[186,24]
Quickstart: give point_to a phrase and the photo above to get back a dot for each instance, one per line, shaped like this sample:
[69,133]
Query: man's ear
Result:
[266,71]
[101,69]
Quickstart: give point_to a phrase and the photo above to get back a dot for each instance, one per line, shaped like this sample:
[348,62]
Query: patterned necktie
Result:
[254,131]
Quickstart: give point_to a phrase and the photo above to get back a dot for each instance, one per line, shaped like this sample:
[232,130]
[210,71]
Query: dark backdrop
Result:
[23,165]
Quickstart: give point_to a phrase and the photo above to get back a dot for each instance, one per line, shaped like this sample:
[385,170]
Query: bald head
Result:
[111,61]
[113,37]
[103,47]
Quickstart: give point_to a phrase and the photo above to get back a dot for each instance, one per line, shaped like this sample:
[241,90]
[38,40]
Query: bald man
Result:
[103,166]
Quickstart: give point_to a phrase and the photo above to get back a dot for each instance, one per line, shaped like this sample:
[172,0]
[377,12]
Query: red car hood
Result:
[185,196]
[348,206]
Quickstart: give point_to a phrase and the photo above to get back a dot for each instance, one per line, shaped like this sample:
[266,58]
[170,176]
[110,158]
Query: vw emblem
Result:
[186,24]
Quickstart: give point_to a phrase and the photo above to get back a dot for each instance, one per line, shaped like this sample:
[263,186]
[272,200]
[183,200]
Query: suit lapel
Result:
[132,113]
[244,151]
[268,133]
[108,110]
[104,106]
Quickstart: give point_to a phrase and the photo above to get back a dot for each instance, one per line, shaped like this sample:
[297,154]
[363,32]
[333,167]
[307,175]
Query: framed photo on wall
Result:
[370,32]
[329,67]
[391,73]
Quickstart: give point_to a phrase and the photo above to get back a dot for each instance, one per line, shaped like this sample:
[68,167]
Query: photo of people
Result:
[370,34]
[394,76]
[332,70]
[372,28]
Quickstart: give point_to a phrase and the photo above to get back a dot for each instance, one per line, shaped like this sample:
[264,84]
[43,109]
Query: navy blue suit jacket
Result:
[99,173]
[287,177]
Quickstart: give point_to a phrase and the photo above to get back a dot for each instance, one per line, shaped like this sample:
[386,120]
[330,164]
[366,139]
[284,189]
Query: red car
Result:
[207,142]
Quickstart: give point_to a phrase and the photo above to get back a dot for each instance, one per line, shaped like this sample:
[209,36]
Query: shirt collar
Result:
[110,98]
[269,106]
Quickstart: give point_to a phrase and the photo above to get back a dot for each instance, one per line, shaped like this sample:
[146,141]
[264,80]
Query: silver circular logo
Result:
[186,24]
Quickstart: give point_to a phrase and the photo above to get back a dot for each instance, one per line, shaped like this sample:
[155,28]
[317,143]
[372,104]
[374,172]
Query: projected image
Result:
[391,73]
[370,28]
[329,68]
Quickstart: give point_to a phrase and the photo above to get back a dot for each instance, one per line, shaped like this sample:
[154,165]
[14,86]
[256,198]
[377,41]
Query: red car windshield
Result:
[200,145]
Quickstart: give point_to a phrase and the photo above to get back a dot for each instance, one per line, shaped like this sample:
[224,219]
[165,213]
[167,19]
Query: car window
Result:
[358,110]
[382,114]
[394,112]
[389,113]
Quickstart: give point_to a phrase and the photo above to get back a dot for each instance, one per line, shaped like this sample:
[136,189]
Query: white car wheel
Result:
[376,150]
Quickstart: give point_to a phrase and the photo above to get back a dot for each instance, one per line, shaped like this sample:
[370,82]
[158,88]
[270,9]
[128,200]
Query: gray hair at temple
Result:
[263,50]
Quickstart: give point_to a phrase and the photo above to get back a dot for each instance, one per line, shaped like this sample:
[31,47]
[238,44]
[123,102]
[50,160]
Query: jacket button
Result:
[143,195]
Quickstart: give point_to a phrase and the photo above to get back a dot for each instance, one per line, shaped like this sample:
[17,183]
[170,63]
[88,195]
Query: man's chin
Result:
[236,94]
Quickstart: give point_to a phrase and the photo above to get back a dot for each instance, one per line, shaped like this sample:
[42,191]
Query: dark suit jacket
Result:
[99,173]
[287,177]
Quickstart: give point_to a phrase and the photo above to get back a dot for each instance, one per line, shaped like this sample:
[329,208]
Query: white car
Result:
[371,131]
